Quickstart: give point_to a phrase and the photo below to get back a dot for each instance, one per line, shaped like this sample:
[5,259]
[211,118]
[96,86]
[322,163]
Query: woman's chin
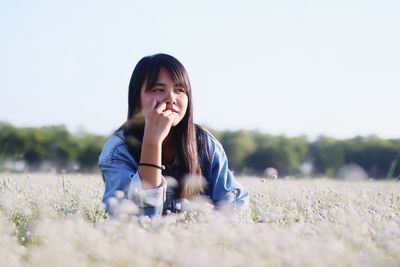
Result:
[175,123]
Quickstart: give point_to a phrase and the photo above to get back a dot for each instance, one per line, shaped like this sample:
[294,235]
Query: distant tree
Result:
[34,150]
[374,154]
[238,145]
[89,150]
[11,143]
[266,157]
[328,155]
[280,152]
[61,146]
[249,152]
[394,171]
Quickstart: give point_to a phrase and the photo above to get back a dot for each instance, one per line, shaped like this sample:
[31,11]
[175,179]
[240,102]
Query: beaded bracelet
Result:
[162,167]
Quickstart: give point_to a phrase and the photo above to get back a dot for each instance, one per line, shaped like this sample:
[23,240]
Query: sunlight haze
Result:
[282,67]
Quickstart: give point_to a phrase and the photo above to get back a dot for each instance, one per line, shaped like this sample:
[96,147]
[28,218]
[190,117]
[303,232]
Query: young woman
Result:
[159,139]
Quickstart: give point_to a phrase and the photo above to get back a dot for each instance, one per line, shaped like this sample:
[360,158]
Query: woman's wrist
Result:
[150,154]
[151,139]
[153,142]
[160,167]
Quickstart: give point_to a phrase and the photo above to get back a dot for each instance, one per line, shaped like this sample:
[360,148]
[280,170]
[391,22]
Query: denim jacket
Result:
[120,172]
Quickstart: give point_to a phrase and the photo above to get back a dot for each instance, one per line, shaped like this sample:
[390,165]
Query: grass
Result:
[53,220]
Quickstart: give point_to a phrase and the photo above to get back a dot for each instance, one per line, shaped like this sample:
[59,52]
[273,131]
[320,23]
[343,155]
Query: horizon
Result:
[82,131]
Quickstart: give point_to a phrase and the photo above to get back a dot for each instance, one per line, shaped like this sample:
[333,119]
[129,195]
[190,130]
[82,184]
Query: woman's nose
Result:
[170,98]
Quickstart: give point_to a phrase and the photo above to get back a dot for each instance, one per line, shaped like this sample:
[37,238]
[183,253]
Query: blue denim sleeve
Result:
[225,189]
[119,171]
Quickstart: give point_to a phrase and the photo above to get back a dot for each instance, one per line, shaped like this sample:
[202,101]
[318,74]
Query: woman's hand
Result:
[158,122]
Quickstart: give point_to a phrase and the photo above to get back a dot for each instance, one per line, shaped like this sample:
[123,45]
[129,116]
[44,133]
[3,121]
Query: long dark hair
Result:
[184,134]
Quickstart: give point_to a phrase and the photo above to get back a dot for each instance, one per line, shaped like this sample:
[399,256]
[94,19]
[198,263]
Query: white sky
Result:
[282,67]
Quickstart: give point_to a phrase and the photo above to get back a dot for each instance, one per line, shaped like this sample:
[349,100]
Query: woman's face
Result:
[165,90]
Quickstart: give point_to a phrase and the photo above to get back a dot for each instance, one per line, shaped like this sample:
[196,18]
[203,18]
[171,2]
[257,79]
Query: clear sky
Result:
[282,67]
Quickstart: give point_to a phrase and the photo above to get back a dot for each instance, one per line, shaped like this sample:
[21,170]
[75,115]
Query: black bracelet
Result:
[162,167]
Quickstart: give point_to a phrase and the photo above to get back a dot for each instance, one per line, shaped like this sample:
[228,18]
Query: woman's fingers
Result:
[161,107]
[154,104]
[168,113]
[159,121]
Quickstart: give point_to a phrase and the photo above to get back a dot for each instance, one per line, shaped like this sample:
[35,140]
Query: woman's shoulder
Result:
[115,148]
[207,139]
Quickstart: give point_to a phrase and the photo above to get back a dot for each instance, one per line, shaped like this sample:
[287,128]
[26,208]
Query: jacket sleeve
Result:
[120,173]
[225,189]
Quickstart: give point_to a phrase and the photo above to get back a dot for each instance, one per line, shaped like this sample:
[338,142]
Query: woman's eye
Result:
[157,89]
[180,90]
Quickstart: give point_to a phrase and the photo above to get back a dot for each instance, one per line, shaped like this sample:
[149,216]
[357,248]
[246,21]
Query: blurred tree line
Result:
[249,152]
[48,148]
[252,152]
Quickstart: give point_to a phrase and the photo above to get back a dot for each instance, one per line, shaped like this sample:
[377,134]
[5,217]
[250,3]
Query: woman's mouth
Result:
[172,109]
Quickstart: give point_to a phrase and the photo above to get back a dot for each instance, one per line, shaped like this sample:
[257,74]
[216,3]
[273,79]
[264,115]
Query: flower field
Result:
[56,220]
